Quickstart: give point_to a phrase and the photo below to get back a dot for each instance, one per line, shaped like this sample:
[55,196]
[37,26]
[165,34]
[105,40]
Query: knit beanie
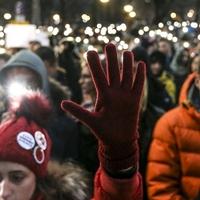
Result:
[27,59]
[23,138]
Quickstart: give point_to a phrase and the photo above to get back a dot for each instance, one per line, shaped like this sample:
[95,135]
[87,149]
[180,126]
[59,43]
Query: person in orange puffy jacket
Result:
[25,145]
[174,156]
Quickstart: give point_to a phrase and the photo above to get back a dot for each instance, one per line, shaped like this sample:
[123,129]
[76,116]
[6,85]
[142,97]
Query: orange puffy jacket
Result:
[173,170]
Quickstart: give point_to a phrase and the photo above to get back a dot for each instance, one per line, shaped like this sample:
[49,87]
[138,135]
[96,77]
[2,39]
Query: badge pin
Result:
[41,140]
[25,140]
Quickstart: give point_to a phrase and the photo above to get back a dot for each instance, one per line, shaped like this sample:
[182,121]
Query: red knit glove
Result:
[115,119]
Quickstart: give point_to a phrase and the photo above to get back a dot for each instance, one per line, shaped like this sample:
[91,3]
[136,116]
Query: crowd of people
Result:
[131,124]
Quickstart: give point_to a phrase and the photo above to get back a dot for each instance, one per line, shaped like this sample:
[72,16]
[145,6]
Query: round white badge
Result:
[41,140]
[25,140]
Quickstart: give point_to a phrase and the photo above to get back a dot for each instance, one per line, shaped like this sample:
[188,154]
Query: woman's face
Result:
[17,182]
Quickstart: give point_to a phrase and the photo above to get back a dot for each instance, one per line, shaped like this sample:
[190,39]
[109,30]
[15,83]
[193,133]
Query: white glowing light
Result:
[2,42]
[190,14]
[158,32]
[173,15]
[56,18]
[152,33]
[137,40]
[1,28]
[85,18]
[91,48]
[50,28]
[2,34]
[117,39]
[198,37]
[170,36]
[104,1]
[171,27]
[132,14]
[120,48]
[184,24]
[86,41]
[67,26]
[55,31]
[160,25]
[2,50]
[164,34]
[70,39]
[146,29]
[99,25]
[123,27]
[141,32]
[16,89]
[128,8]
[186,44]
[78,39]
[175,39]
[185,29]
[7,16]
[194,25]
[103,31]
[177,24]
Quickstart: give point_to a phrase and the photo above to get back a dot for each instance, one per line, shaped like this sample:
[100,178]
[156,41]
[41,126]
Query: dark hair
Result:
[159,57]
[65,181]
[46,54]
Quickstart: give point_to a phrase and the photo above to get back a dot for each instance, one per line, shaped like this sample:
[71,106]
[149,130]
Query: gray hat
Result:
[28,59]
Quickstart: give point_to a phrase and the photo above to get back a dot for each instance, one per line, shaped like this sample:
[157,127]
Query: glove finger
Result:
[77,111]
[127,70]
[98,75]
[112,66]
[139,81]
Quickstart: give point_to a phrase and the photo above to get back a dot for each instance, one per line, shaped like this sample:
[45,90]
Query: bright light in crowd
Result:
[190,13]
[128,8]
[7,16]
[2,42]
[141,32]
[85,18]
[104,1]
[152,33]
[173,15]
[117,39]
[97,30]
[137,40]
[99,25]
[184,23]
[163,34]
[160,25]
[132,14]
[171,27]
[16,89]
[170,36]
[175,39]
[2,34]
[70,39]
[123,27]
[56,18]
[198,37]
[78,39]
[86,41]
[146,29]
[185,29]
[50,28]
[1,28]
[2,50]
[194,25]
[177,24]
[186,44]
[55,31]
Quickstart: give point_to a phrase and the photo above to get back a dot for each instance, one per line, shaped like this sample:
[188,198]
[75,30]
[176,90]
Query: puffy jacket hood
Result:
[28,59]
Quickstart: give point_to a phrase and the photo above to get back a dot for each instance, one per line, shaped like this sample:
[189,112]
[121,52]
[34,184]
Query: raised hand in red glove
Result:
[115,119]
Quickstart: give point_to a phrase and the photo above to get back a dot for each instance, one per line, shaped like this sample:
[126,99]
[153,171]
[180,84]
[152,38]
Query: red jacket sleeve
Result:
[107,188]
